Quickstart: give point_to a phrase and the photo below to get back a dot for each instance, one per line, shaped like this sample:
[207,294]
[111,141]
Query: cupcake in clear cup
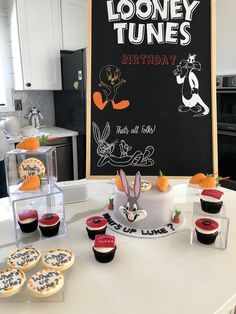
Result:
[49,224]
[28,220]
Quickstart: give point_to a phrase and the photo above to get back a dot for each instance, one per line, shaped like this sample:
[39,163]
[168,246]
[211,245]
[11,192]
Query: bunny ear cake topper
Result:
[131,211]
[137,185]
[124,182]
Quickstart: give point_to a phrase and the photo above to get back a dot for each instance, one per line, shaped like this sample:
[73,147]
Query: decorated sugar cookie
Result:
[25,258]
[45,282]
[30,167]
[59,259]
[145,185]
[11,281]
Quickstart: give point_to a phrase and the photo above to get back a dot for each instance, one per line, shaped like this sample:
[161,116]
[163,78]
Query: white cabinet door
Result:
[74,24]
[40,43]
[225,31]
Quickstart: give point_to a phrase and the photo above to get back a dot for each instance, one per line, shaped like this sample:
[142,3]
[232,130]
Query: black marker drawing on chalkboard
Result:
[106,151]
[110,82]
[185,75]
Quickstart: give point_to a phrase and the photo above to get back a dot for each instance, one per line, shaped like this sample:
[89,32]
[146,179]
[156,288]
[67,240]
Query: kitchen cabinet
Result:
[225,39]
[39,33]
[74,24]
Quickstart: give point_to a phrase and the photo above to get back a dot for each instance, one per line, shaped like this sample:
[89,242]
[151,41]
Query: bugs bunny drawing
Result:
[131,211]
[106,153]
[104,149]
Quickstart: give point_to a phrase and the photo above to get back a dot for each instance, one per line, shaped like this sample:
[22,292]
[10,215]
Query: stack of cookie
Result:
[42,283]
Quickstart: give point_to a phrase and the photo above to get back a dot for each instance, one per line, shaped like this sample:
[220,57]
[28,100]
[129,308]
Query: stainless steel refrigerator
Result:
[70,103]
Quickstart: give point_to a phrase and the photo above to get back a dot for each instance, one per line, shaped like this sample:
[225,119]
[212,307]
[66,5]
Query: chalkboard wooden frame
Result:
[212,44]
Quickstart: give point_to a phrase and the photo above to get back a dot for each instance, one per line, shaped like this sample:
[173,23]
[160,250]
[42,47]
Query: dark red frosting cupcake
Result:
[48,219]
[211,200]
[104,248]
[207,230]
[28,214]
[96,225]
[206,225]
[96,222]
[49,224]
[103,241]
[28,220]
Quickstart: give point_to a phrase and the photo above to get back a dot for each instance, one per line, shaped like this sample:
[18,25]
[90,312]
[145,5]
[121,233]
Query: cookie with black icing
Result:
[59,259]
[30,167]
[11,281]
[45,283]
[24,259]
[145,185]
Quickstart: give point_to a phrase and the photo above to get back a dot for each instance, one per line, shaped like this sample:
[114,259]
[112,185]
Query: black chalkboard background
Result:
[182,143]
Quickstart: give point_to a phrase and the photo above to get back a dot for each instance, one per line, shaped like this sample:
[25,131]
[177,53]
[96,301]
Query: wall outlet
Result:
[18,104]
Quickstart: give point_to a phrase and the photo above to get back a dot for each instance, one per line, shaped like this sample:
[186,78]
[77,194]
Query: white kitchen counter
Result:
[154,276]
[55,132]
[52,131]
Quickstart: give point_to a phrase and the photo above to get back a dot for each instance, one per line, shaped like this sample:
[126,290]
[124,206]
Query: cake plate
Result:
[158,232]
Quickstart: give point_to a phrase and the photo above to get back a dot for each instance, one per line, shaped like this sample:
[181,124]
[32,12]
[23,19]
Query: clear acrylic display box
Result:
[48,202]
[222,237]
[15,160]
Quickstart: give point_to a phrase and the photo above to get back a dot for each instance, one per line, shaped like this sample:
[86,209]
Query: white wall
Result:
[226,36]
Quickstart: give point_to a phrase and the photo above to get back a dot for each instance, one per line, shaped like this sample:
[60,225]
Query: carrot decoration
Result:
[32,143]
[31,183]
[162,183]
[111,204]
[118,182]
[210,182]
[176,218]
[197,178]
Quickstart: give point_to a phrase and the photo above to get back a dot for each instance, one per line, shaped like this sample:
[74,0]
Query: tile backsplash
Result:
[43,100]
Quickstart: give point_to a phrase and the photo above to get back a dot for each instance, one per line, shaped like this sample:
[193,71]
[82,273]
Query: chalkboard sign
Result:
[151,87]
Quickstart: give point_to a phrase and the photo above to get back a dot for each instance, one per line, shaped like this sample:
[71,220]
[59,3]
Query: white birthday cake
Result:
[142,205]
